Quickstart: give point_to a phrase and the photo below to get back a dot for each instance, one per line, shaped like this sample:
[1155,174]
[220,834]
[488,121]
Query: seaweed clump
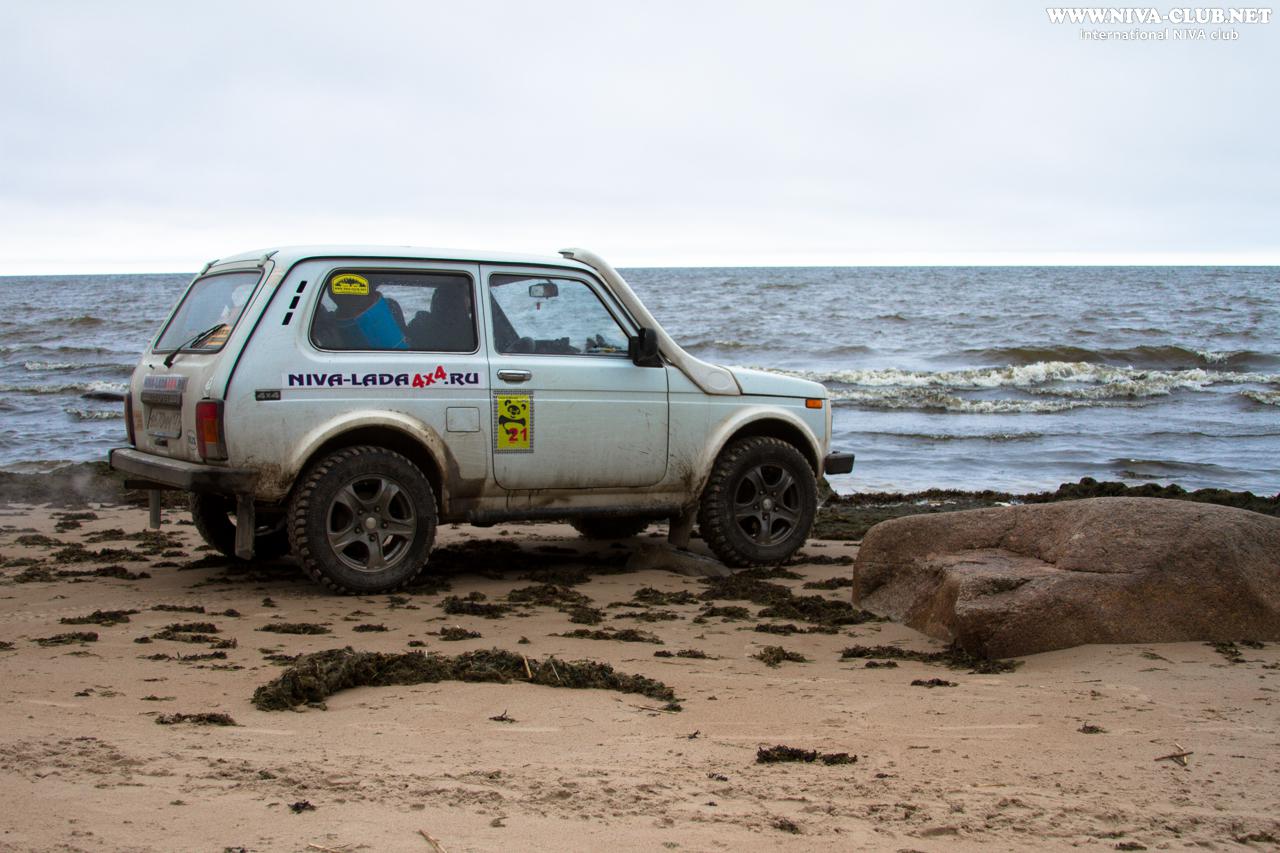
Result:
[68,638]
[454,633]
[683,653]
[474,605]
[294,628]
[830,583]
[190,632]
[204,718]
[1232,652]
[773,656]
[105,618]
[954,658]
[583,615]
[314,677]
[626,635]
[780,753]
[650,597]
[781,603]
[547,595]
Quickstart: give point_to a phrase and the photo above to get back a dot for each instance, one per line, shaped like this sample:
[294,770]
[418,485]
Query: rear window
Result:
[209,312]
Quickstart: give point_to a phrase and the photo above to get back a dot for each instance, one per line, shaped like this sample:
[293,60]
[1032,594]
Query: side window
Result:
[551,316]
[395,310]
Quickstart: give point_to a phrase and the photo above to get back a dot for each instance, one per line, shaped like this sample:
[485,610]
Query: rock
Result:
[1025,579]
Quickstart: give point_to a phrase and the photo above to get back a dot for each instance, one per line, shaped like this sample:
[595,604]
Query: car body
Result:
[520,387]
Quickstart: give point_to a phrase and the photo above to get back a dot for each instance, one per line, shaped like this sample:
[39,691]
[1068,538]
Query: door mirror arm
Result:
[643,348]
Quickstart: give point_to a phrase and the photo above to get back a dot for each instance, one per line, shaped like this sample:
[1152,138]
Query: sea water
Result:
[1009,378]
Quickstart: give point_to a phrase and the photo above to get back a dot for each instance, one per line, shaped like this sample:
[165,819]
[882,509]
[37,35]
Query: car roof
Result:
[289,255]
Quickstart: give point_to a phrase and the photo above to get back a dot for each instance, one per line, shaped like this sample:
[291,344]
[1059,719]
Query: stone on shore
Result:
[1025,579]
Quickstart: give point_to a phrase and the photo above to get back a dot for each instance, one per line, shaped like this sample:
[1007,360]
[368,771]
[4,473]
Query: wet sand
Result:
[997,761]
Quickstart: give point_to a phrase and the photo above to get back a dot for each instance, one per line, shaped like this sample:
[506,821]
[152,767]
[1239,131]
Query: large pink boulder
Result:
[1024,579]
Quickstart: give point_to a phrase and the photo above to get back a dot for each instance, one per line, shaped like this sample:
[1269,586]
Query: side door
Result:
[389,338]
[570,409]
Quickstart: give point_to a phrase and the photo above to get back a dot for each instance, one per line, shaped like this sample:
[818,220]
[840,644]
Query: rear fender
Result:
[276,484]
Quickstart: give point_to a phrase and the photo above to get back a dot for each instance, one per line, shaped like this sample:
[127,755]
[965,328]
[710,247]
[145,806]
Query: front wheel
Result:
[363,520]
[759,503]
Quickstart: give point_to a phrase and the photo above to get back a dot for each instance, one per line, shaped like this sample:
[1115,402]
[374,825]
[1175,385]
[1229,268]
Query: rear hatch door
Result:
[203,333]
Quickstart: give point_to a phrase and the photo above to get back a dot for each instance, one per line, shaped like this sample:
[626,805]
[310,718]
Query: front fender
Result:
[760,419]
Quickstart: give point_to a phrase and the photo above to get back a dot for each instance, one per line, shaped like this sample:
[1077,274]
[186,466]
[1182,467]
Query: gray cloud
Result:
[147,135]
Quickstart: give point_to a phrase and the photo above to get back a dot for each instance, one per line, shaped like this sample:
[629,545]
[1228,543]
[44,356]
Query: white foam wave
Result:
[98,387]
[934,400]
[1125,381]
[1267,398]
[94,414]
[50,365]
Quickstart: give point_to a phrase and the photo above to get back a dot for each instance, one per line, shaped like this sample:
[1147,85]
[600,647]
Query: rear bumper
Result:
[159,472]
[837,463]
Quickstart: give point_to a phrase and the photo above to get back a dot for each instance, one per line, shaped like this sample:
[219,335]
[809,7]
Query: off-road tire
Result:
[214,517]
[343,490]
[733,511]
[610,526]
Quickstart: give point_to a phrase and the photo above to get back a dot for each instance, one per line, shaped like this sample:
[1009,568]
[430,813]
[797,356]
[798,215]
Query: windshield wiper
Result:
[193,342]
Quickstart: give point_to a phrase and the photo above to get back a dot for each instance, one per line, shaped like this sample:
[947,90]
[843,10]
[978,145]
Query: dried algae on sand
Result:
[314,677]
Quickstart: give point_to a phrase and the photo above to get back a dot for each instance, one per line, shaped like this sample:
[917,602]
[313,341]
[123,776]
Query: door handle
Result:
[515,375]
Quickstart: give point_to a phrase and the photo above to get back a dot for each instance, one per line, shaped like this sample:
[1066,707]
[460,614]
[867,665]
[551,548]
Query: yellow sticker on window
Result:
[513,427]
[349,284]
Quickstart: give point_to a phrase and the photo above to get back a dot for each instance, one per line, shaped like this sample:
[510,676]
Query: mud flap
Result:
[681,529]
[153,506]
[245,526]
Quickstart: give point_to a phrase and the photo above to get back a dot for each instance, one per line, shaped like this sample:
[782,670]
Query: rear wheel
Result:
[610,527]
[363,520]
[759,503]
[215,519]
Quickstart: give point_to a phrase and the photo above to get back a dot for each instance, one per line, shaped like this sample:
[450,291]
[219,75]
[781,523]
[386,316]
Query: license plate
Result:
[164,422]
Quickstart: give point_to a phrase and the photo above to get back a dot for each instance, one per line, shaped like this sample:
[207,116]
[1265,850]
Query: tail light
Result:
[128,418]
[211,441]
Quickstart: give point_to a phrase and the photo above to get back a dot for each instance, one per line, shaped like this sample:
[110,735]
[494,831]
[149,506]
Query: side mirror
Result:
[643,348]
[544,290]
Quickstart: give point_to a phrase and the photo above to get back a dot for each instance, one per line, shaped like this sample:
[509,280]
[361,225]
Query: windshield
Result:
[212,305]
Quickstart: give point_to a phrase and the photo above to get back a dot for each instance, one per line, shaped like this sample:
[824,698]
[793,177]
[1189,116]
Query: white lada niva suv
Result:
[339,402]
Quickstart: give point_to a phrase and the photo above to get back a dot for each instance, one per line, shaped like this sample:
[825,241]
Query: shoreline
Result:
[840,517]
[134,658]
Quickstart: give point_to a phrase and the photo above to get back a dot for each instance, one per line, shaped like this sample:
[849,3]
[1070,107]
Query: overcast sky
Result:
[144,136]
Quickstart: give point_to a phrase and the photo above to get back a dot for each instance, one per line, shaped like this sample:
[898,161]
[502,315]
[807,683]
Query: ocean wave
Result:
[939,401]
[1266,398]
[63,349]
[1123,381]
[1147,356]
[94,414]
[932,437]
[116,388]
[51,365]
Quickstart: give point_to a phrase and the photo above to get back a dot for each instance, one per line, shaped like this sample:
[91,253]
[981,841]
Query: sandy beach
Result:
[1061,752]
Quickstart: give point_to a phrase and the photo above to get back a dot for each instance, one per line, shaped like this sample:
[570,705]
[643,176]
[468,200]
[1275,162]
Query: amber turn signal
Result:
[813,403]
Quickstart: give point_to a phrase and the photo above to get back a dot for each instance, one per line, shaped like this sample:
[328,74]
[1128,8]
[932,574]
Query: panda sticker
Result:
[513,427]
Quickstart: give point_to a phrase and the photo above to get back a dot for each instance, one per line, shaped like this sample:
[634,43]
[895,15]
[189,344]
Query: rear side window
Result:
[395,310]
[209,312]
